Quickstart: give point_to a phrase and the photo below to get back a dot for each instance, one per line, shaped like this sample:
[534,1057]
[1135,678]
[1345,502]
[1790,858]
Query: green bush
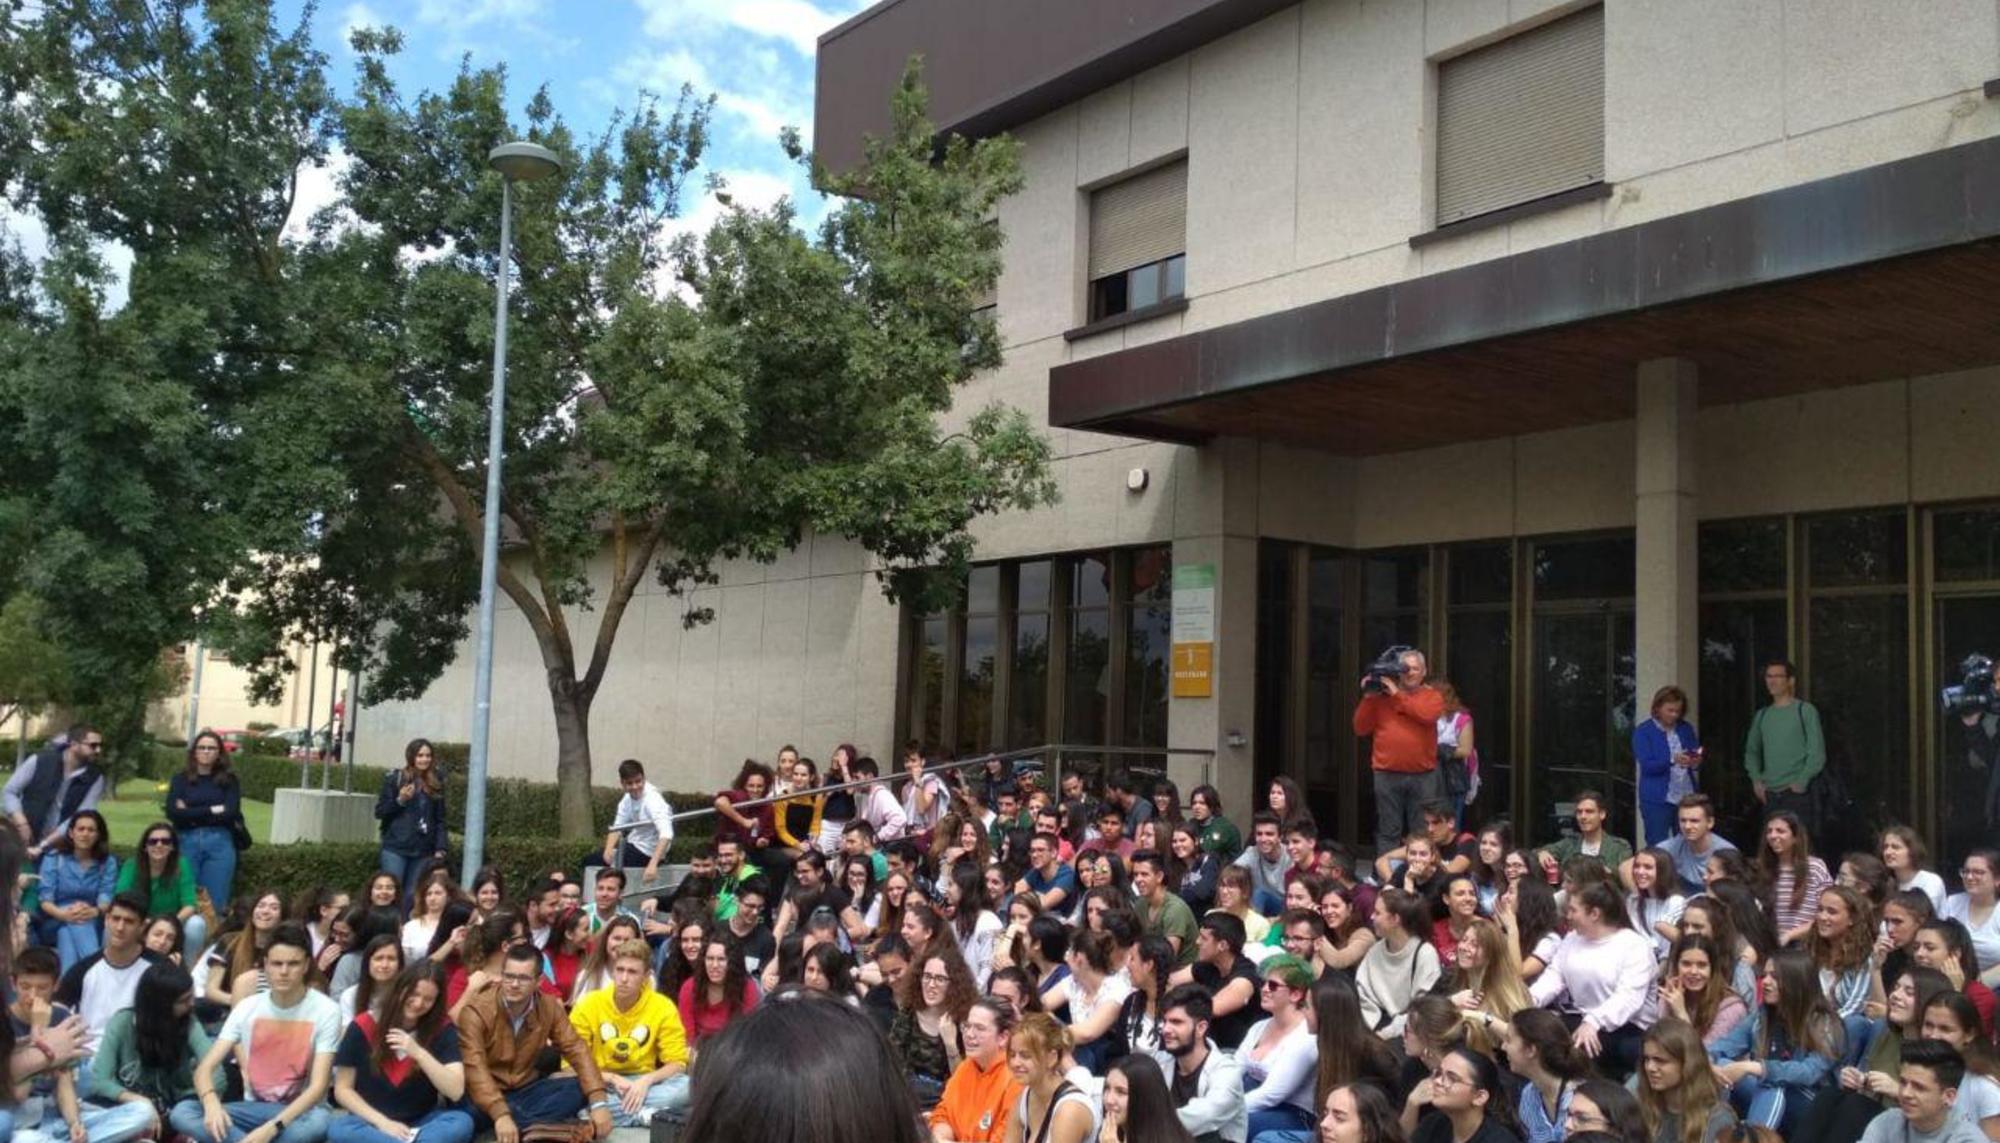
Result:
[347,866]
[515,807]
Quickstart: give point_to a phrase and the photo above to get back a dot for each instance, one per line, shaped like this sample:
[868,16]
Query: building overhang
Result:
[1889,271]
[992,65]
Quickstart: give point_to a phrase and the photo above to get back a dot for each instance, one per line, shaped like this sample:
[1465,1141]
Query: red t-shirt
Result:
[701,1020]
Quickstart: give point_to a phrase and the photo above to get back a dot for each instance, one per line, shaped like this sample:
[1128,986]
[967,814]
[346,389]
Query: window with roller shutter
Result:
[1138,241]
[1521,119]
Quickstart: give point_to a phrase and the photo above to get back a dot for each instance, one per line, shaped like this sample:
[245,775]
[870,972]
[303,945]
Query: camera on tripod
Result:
[1387,665]
[1974,690]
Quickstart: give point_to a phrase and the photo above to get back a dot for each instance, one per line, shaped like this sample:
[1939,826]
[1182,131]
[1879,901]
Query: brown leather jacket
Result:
[497,1061]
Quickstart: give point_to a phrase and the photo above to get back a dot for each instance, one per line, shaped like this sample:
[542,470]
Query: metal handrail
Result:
[1024,754]
[1056,752]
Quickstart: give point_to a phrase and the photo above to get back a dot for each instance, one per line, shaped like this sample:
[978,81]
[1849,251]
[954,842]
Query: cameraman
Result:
[1982,752]
[1402,719]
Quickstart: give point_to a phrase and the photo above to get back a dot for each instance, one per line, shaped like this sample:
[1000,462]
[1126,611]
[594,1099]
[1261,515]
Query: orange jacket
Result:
[976,1104]
[1405,729]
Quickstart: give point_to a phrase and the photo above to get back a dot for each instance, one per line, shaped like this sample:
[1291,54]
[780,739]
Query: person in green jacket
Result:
[1219,836]
[1785,750]
[149,1051]
[158,874]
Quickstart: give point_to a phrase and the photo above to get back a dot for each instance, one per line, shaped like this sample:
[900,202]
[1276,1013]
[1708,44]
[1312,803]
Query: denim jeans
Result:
[194,937]
[552,1099]
[76,940]
[445,1125]
[246,1116]
[1270,1120]
[1659,820]
[36,1119]
[667,1095]
[1770,1105]
[211,852]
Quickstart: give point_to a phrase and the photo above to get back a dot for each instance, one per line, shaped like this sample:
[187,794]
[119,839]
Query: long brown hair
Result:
[1808,1020]
[221,766]
[390,1011]
[958,994]
[1349,1051]
[1800,860]
[432,784]
[1697,1087]
[1856,945]
[1701,1009]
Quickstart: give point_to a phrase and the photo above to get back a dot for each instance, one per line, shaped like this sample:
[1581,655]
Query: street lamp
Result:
[516,162]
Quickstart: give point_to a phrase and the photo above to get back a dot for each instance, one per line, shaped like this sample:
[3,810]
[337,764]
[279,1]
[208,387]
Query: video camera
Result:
[1974,690]
[1387,665]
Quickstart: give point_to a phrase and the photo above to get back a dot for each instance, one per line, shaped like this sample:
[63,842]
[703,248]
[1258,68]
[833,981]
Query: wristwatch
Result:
[279,1123]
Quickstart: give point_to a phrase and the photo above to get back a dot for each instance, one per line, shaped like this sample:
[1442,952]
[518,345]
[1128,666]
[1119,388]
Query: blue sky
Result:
[755,56]
[595,56]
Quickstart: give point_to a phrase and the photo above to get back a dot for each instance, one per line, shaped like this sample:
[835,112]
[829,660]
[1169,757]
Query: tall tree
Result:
[677,404]
[317,404]
[175,133]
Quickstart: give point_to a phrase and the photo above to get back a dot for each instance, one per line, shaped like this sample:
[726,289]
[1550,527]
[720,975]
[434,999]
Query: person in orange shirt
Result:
[1401,715]
[982,1091]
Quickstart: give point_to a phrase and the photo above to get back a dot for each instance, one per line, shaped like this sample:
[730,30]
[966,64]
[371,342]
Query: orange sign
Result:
[1192,675]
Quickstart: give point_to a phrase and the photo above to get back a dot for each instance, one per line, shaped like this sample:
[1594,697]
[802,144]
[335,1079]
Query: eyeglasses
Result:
[518,978]
[1973,871]
[1444,1080]
[934,978]
[159,841]
[1276,986]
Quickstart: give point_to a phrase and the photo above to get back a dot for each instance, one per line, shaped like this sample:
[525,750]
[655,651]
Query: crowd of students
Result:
[1094,962]
[1116,964]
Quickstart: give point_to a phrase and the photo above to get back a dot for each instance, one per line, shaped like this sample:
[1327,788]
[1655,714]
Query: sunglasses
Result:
[159,841]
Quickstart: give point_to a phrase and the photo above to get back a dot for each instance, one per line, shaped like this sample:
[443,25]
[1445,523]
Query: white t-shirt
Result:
[1932,886]
[96,990]
[1649,911]
[276,1046]
[1978,1099]
[1985,938]
[1114,989]
[654,816]
[417,936]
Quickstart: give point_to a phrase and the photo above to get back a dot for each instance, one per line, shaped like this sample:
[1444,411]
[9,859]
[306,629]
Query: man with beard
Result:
[1206,1082]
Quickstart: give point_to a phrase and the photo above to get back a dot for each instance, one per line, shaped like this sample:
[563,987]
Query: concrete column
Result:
[1666,597]
[1215,507]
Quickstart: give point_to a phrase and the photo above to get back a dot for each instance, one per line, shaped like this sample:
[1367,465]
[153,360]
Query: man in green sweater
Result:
[1785,749]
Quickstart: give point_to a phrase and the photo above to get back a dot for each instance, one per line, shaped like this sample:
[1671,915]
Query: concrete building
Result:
[1588,346]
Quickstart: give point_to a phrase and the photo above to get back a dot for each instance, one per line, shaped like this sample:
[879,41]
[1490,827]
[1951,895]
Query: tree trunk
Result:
[572,711]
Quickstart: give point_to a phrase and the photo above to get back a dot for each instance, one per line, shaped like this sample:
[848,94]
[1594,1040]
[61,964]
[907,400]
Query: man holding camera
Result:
[1401,714]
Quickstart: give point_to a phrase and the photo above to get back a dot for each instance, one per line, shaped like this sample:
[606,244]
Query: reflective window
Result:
[1857,550]
[1742,555]
[1967,545]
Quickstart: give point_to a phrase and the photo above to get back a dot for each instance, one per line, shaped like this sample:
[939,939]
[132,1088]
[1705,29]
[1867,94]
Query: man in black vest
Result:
[52,786]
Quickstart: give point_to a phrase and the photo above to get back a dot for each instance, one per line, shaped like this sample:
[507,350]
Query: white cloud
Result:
[798,23]
[358,16]
[318,187]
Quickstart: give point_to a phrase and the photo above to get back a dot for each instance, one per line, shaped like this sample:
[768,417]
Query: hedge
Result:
[347,866]
[515,807]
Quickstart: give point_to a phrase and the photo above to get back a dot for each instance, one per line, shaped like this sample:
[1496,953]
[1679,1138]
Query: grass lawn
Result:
[139,803]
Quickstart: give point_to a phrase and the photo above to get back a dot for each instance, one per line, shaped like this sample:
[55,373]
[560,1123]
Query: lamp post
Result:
[516,162]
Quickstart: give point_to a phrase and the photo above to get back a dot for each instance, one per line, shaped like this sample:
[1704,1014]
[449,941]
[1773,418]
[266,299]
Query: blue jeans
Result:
[1265,903]
[445,1125]
[1272,1123]
[37,1119]
[552,1099]
[246,1116]
[1769,1105]
[211,852]
[668,1095]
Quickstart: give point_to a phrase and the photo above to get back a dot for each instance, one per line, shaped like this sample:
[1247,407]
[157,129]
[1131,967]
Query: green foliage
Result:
[515,807]
[291,868]
[720,398]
